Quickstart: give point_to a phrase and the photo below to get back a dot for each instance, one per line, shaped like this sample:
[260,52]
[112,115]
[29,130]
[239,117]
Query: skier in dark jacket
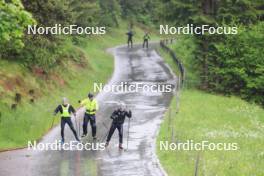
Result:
[118,117]
[130,38]
[66,110]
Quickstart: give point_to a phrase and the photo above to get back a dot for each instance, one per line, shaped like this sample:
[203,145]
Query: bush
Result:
[14,20]
[241,67]
[41,52]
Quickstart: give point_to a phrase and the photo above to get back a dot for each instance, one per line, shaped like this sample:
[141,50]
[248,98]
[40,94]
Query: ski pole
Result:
[128,132]
[52,123]
[103,139]
[76,124]
[106,132]
[79,128]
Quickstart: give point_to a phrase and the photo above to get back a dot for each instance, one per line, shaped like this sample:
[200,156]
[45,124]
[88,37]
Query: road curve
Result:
[133,66]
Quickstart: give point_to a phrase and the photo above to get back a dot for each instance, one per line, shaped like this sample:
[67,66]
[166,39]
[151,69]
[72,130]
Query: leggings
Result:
[67,120]
[112,130]
[91,118]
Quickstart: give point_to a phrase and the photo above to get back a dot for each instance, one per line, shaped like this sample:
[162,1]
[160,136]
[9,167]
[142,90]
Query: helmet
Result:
[90,95]
[65,100]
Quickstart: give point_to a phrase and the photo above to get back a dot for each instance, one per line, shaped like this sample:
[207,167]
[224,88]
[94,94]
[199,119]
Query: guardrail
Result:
[163,44]
[179,86]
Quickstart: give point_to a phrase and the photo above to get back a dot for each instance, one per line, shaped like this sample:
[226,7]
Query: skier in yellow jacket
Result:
[91,106]
[66,110]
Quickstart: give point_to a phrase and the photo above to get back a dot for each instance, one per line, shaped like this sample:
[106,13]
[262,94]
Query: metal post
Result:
[197,164]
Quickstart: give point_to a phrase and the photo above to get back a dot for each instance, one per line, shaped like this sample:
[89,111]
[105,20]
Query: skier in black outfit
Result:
[130,38]
[118,117]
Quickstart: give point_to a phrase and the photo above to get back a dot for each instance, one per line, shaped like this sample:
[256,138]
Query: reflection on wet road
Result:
[132,66]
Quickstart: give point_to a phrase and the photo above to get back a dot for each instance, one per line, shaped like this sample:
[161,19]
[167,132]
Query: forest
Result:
[227,64]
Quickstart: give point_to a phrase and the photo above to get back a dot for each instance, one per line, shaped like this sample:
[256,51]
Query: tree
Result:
[223,60]
[241,68]
[86,13]
[14,20]
[143,11]
[50,12]
[110,12]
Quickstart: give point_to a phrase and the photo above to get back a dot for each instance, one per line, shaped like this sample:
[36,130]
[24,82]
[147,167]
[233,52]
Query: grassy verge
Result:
[31,121]
[216,119]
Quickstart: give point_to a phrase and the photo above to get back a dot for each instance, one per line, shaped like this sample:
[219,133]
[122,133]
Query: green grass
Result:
[31,121]
[217,119]
[207,117]
[184,48]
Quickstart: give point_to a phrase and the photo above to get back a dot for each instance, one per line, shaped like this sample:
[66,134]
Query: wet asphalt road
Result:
[132,66]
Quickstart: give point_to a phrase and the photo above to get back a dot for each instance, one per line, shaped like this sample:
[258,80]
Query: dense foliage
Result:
[227,63]
[240,69]
[13,20]
[47,50]
[144,11]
